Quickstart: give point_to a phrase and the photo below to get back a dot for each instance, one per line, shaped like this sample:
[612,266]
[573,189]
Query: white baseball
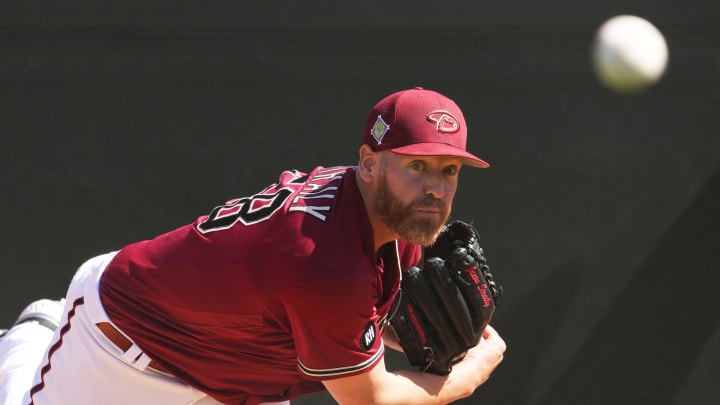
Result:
[629,54]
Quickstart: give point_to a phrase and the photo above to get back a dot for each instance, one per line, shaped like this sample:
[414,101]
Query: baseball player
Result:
[274,295]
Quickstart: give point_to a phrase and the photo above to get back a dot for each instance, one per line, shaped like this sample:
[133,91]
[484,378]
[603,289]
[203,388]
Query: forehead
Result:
[439,160]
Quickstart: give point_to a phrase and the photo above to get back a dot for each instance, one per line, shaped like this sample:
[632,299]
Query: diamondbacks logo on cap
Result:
[379,129]
[444,121]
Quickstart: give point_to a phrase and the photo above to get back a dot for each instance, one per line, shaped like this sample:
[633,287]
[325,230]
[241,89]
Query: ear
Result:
[368,163]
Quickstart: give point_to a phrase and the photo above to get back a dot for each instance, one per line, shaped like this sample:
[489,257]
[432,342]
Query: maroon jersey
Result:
[265,296]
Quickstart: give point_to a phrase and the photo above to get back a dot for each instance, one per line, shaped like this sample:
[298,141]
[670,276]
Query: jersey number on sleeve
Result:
[248,210]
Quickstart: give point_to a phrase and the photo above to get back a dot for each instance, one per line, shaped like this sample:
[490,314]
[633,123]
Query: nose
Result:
[435,185]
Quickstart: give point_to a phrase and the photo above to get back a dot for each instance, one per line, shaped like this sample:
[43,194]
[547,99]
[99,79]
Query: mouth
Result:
[428,211]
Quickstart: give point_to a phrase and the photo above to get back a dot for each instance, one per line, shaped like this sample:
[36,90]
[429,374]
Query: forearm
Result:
[466,376]
[382,387]
[415,387]
[404,387]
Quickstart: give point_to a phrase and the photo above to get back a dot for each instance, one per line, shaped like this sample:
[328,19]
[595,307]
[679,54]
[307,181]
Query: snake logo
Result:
[444,121]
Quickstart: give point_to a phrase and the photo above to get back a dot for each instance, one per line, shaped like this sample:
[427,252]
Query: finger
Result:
[489,332]
[493,339]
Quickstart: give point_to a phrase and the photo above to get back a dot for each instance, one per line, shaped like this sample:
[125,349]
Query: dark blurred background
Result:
[599,214]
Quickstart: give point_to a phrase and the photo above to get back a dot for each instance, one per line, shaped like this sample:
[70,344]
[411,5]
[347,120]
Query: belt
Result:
[123,343]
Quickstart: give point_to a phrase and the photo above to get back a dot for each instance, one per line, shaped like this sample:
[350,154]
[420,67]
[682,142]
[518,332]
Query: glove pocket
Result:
[476,292]
[439,277]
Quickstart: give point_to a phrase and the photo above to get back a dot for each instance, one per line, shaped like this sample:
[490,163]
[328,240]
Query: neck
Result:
[381,233]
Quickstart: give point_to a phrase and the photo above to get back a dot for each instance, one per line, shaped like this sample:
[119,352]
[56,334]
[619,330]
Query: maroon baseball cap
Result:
[419,122]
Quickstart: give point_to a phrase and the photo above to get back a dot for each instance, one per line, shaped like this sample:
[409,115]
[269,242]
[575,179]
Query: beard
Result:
[398,217]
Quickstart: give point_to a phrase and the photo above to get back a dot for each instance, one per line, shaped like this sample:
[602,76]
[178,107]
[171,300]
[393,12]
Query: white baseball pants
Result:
[84,367]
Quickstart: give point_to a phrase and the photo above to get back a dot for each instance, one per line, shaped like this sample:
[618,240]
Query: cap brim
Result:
[441,149]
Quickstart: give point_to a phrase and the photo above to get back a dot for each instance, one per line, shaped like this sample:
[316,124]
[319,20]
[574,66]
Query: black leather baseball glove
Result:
[444,307]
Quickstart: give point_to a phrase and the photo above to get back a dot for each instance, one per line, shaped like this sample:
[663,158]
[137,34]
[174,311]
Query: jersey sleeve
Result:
[335,327]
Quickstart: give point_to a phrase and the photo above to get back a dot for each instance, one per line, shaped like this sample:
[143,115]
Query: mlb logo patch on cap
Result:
[379,129]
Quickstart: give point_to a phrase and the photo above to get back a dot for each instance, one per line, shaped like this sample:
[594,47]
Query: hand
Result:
[482,359]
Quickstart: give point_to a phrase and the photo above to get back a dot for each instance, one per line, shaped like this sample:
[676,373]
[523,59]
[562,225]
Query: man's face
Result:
[414,195]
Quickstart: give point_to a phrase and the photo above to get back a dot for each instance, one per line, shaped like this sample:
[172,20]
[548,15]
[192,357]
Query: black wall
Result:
[599,213]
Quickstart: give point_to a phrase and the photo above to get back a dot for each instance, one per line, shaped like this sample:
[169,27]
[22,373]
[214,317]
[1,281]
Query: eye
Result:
[418,165]
[451,170]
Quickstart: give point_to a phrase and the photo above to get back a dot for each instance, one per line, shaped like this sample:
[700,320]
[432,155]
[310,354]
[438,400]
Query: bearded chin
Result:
[398,217]
[419,232]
